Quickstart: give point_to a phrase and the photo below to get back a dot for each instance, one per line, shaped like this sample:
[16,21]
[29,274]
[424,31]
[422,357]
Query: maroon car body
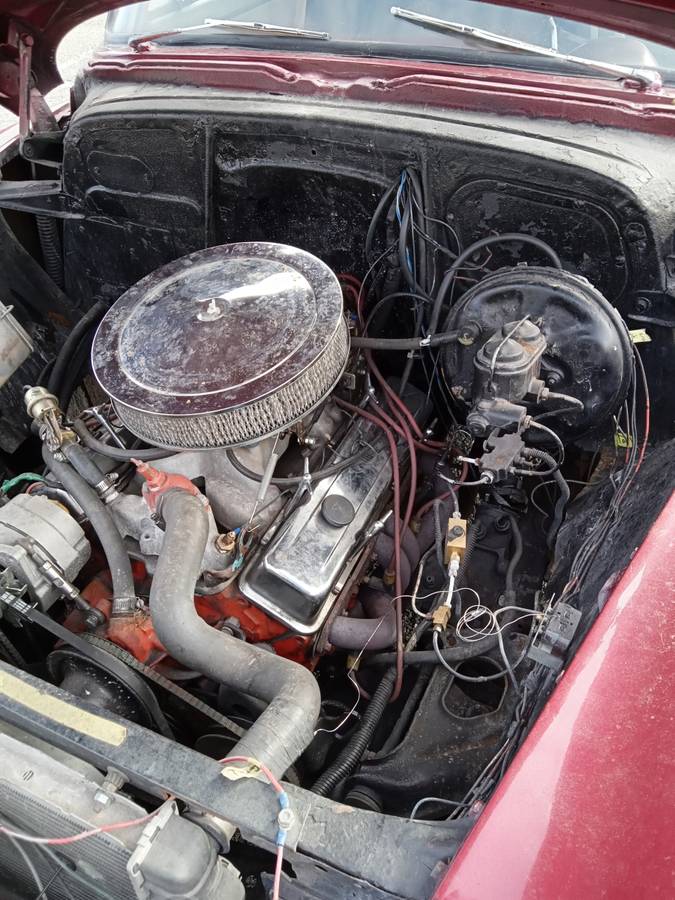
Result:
[586,807]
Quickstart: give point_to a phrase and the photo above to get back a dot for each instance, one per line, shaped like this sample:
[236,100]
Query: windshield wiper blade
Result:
[648,78]
[231,25]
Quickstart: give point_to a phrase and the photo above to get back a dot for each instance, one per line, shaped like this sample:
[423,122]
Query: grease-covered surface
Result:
[586,809]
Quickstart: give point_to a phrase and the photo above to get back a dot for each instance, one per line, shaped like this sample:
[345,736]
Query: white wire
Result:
[350,674]
[492,626]
[432,800]
[551,481]
[42,892]
[428,615]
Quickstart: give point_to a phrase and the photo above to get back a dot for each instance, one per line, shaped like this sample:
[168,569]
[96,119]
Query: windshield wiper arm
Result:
[648,78]
[232,25]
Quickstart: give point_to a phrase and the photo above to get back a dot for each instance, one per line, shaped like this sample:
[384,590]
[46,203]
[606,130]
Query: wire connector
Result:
[285,819]
[550,645]
[251,769]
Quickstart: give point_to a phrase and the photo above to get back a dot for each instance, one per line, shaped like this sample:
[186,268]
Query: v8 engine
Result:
[316,526]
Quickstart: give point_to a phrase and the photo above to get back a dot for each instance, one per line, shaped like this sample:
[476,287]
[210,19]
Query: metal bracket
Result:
[656,308]
[335,836]
[41,140]
[41,198]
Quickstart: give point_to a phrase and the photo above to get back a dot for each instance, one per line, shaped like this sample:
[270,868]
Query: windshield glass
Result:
[369,28]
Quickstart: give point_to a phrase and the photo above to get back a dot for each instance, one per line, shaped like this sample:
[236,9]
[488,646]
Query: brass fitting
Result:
[455,544]
[441,617]
[225,543]
[43,406]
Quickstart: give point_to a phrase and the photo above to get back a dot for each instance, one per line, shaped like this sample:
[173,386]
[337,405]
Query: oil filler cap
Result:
[337,510]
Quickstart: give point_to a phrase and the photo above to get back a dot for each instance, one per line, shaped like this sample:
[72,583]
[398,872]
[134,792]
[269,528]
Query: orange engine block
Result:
[136,635]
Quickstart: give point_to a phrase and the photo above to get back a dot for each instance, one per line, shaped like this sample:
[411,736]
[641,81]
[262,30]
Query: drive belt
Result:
[116,660]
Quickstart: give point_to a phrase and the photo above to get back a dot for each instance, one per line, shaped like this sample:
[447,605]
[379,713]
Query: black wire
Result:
[415,194]
[413,343]
[555,412]
[116,453]
[445,225]
[385,200]
[387,299]
[551,433]
[403,236]
[76,371]
[449,277]
[586,554]
[63,361]
[292,480]
[536,456]
[45,372]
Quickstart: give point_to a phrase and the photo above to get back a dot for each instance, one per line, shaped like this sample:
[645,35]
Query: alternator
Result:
[41,542]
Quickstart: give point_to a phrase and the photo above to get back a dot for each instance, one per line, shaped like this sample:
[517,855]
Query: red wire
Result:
[392,396]
[276,886]
[427,506]
[276,784]
[278,787]
[350,279]
[73,838]
[353,293]
[356,410]
[117,826]
[413,461]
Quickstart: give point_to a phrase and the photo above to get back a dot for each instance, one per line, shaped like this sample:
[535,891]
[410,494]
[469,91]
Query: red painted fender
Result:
[586,809]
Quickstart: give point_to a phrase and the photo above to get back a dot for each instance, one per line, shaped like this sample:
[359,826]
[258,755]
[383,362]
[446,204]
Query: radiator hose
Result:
[286,727]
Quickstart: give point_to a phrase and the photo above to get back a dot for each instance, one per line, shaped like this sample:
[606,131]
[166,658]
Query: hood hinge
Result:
[41,139]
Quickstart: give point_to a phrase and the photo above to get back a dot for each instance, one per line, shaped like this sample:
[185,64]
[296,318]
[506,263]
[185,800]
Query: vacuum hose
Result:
[286,727]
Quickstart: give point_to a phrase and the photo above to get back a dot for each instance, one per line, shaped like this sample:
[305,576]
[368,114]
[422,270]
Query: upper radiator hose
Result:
[286,727]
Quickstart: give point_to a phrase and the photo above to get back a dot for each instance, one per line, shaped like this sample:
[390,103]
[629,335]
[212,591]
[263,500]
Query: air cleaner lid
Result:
[222,330]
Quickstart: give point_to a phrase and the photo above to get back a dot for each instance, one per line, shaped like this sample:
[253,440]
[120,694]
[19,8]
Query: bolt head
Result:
[286,819]
[101,800]
[478,424]
[91,620]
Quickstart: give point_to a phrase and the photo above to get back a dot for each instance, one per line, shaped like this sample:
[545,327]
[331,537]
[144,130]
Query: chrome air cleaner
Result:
[223,347]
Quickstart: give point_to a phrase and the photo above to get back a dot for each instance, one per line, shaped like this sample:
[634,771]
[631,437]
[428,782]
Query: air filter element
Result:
[222,347]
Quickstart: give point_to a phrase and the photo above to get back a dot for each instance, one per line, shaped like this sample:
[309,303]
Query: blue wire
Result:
[284,804]
[399,193]
[398,197]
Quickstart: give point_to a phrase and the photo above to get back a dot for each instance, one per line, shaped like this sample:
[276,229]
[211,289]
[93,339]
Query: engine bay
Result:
[305,489]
